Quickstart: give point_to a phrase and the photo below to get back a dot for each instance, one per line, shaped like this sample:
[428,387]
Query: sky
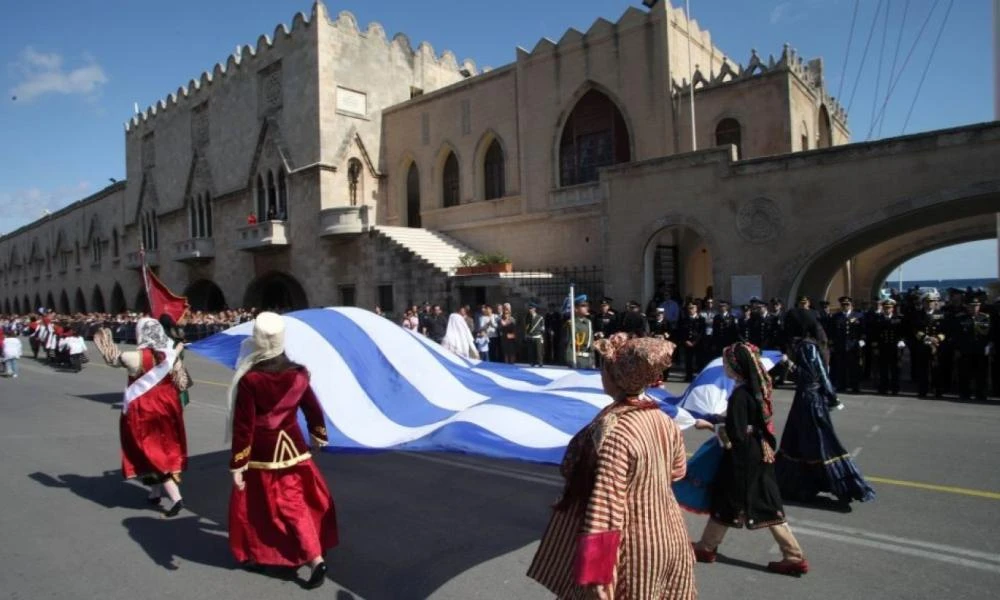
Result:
[77,67]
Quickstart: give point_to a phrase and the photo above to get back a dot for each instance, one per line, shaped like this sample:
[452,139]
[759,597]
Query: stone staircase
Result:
[438,250]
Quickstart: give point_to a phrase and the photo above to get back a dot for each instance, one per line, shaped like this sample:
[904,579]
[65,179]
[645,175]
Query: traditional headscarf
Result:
[743,360]
[458,338]
[634,364]
[266,342]
[149,334]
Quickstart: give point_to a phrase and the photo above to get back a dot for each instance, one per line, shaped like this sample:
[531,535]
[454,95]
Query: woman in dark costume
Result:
[811,458]
[745,492]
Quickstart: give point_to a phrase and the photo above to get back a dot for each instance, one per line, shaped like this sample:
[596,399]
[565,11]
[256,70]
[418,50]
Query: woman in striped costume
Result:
[617,532]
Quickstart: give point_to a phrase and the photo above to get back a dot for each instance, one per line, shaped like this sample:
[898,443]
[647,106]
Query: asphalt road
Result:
[456,527]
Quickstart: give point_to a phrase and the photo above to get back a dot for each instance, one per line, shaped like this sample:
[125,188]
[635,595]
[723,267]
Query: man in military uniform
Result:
[725,330]
[972,340]
[534,335]
[758,330]
[581,347]
[887,345]
[928,333]
[553,325]
[848,345]
[658,325]
[776,338]
[688,337]
[633,322]
[606,320]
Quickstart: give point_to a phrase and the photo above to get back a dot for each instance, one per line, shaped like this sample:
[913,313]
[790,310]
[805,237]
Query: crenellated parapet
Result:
[346,22]
[254,57]
[809,72]
[245,57]
[600,28]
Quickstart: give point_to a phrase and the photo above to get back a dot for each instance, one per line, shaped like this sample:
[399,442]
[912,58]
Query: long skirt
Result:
[153,441]
[694,492]
[811,458]
[282,517]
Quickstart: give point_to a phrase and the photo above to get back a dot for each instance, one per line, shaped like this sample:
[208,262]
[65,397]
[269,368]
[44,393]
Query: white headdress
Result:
[266,342]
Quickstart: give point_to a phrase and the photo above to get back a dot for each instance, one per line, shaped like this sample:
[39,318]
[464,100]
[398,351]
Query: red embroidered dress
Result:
[284,516]
[153,441]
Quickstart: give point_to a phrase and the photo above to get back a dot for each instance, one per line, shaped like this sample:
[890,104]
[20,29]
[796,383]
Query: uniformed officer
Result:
[758,326]
[606,321]
[972,340]
[633,322]
[688,337]
[848,345]
[776,339]
[928,333]
[534,335]
[582,345]
[888,335]
[725,329]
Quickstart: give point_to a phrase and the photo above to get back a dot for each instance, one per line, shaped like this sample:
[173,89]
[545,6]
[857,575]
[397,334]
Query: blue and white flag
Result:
[383,387]
[710,390]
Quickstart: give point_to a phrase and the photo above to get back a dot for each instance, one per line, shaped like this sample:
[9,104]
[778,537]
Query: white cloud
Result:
[780,12]
[43,73]
[20,207]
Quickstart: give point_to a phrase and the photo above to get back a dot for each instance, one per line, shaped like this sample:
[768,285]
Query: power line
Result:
[864,55]
[881,64]
[895,57]
[909,55]
[927,66]
[847,53]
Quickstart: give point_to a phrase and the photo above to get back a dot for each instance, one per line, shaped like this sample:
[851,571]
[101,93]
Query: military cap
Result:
[581,300]
[888,302]
[606,300]
[846,300]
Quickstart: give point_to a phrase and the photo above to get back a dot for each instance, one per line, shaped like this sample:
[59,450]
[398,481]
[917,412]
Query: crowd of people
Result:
[861,344]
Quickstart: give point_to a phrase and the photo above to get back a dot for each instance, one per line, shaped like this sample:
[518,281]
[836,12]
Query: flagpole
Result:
[572,323]
[694,138]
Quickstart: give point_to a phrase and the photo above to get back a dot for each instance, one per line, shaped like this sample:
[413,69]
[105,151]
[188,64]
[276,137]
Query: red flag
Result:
[161,300]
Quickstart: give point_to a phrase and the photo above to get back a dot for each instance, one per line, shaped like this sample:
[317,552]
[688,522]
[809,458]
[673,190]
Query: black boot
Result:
[317,578]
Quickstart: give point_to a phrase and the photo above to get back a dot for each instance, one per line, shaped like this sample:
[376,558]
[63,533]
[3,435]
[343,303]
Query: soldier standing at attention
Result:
[972,331]
[848,345]
[534,335]
[887,344]
[776,338]
[583,345]
[725,330]
[928,333]
[690,331]
[758,325]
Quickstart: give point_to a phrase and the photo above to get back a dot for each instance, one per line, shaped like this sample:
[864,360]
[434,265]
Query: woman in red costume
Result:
[151,427]
[280,510]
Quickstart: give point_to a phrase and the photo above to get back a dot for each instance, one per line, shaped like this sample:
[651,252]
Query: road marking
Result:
[937,488]
[891,410]
[856,451]
[875,429]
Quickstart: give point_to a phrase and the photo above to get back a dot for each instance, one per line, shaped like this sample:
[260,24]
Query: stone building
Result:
[371,167]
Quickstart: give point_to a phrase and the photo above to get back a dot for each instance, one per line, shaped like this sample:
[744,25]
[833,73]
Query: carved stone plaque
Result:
[759,220]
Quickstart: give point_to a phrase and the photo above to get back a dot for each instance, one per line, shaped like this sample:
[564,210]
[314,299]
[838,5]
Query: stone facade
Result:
[325,133]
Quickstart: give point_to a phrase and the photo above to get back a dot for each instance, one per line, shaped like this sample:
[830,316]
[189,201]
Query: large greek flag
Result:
[383,387]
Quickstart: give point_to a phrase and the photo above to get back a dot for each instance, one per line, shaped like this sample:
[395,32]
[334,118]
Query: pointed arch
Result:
[17,307]
[97,300]
[804,136]
[412,195]
[272,197]
[64,306]
[354,178]
[50,302]
[118,304]
[29,308]
[282,207]
[261,198]
[115,243]
[448,176]
[491,167]
[593,132]
[80,302]
[824,131]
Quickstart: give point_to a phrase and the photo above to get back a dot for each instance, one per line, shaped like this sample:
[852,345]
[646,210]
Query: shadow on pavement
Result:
[407,526]
[736,562]
[113,398]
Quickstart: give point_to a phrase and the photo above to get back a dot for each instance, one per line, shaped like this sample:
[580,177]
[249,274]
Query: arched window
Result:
[272,198]
[728,132]
[824,138]
[449,181]
[192,218]
[805,136]
[78,254]
[282,208]
[493,171]
[261,198]
[353,179]
[114,243]
[413,196]
[208,215]
[156,231]
[594,136]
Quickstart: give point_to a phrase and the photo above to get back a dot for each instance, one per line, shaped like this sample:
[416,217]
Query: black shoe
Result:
[175,509]
[317,578]
[153,501]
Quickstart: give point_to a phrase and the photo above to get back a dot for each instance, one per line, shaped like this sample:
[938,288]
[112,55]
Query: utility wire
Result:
[895,58]
[864,55]
[927,66]
[847,53]
[881,64]
[909,55]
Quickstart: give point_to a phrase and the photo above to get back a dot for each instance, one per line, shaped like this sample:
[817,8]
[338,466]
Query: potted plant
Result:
[469,263]
[496,262]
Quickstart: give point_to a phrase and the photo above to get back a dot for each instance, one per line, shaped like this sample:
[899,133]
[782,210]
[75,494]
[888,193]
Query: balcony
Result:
[194,250]
[344,220]
[262,236]
[132,260]
[577,195]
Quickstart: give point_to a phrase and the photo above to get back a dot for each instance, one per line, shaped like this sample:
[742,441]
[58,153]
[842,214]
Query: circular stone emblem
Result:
[759,220]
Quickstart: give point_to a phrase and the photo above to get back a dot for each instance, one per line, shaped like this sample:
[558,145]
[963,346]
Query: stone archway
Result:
[275,291]
[677,257]
[50,302]
[141,302]
[17,307]
[204,295]
[80,302]
[97,300]
[64,306]
[118,304]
